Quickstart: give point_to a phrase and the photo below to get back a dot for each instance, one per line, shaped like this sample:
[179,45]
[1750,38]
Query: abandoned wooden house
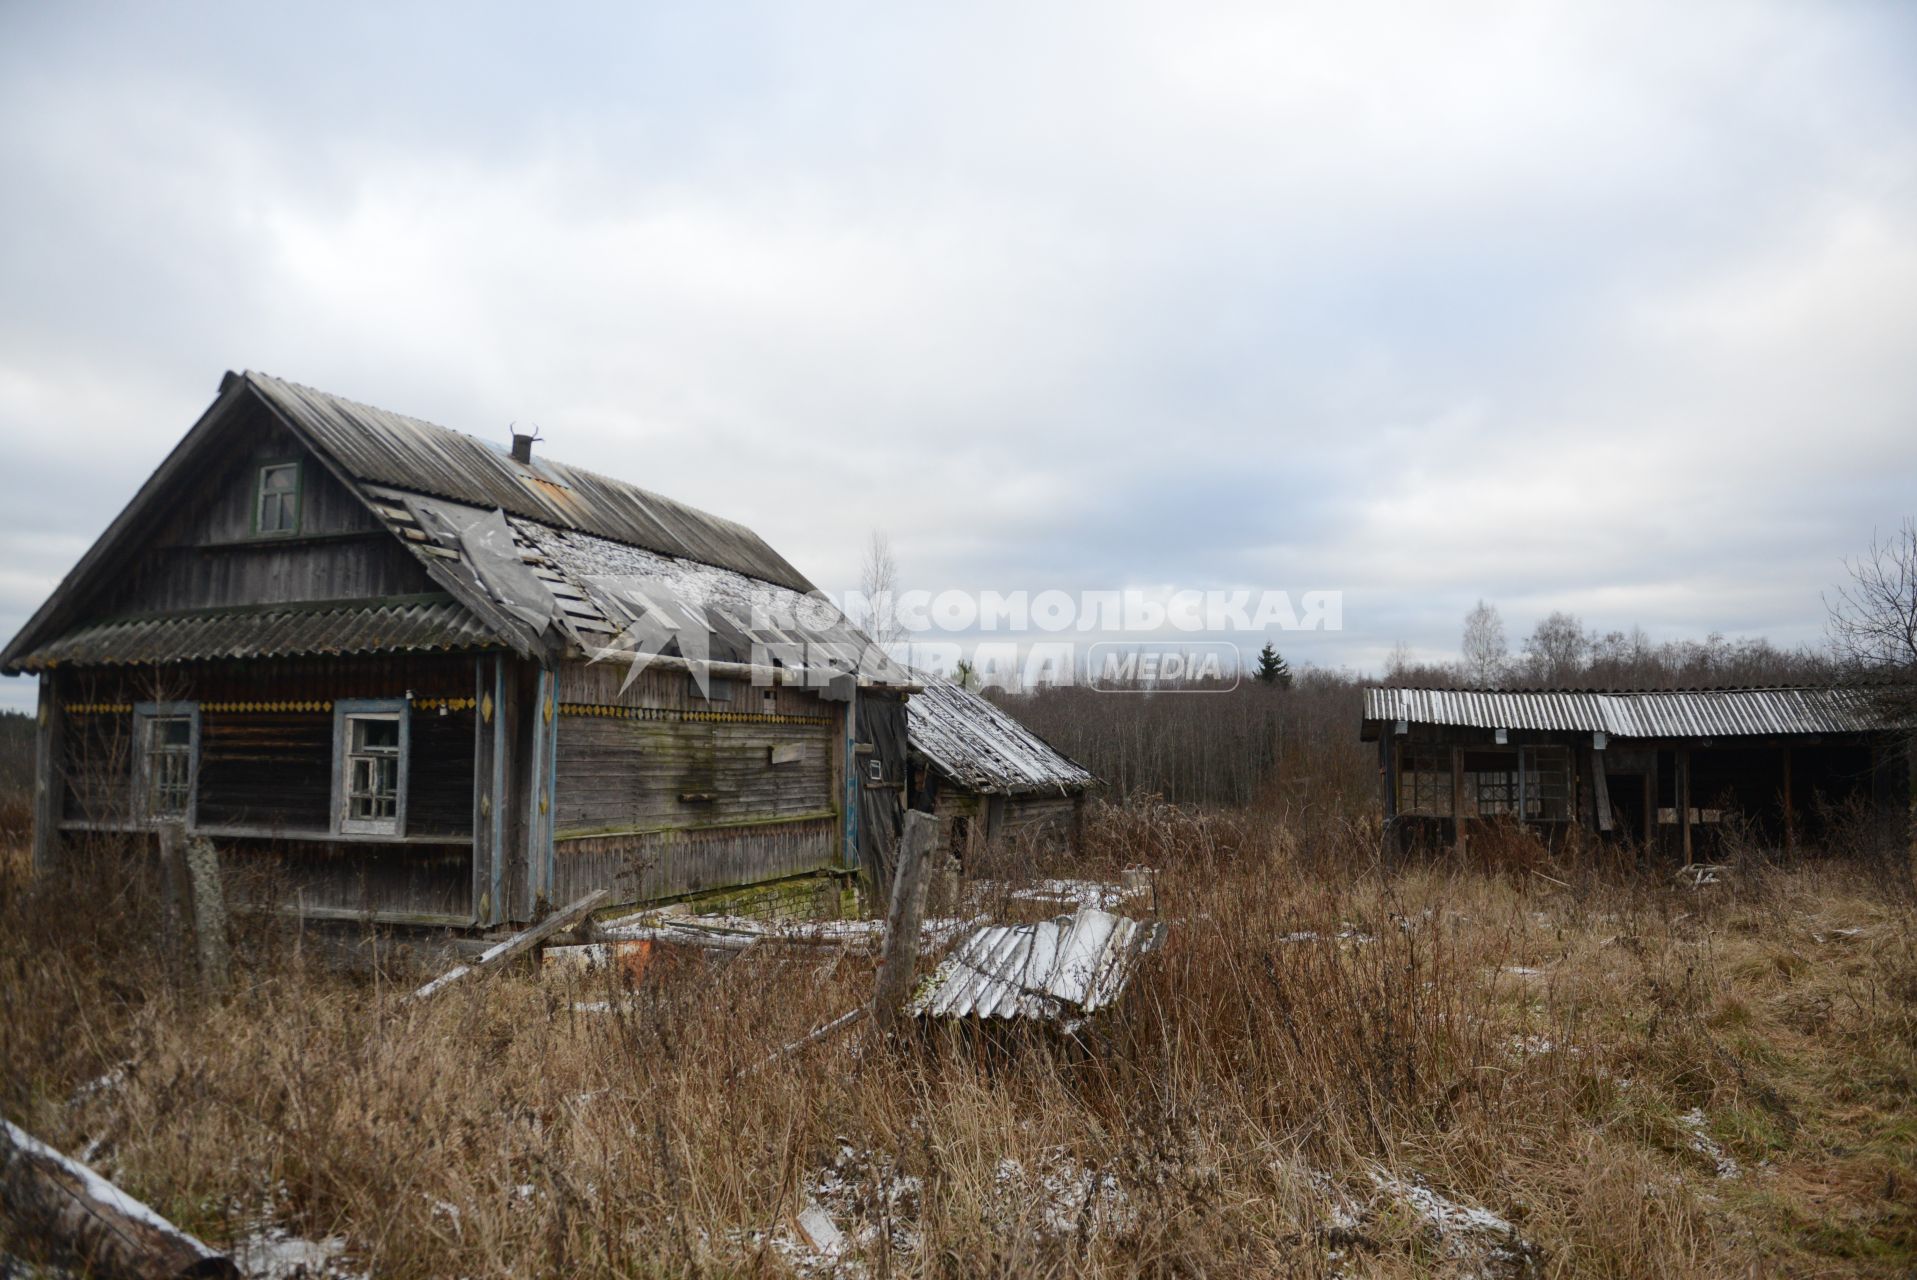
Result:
[418,678]
[987,776]
[1667,770]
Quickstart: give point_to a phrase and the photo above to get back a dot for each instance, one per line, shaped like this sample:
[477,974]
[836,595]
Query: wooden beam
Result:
[50,779]
[1650,805]
[1458,837]
[1684,799]
[1600,790]
[901,950]
[1790,810]
[518,944]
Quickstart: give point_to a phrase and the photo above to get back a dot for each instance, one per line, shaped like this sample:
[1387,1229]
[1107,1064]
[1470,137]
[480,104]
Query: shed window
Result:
[1426,788]
[372,741]
[1490,783]
[1547,784]
[166,737]
[278,510]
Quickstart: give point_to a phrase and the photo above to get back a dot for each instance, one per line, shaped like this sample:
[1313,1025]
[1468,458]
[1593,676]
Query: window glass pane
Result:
[375,735]
[372,771]
[278,500]
[169,765]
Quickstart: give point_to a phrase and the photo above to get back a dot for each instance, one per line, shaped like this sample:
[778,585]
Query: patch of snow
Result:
[1101,895]
[273,1253]
[1065,1193]
[1466,1233]
[1695,1123]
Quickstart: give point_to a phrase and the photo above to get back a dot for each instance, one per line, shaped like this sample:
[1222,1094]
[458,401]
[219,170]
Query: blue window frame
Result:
[166,739]
[371,745]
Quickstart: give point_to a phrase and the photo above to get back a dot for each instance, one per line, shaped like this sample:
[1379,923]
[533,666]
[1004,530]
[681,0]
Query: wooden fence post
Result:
[901,949]
[176,887]
[209,914]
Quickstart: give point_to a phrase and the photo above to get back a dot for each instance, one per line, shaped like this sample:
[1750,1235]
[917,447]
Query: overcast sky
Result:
[1608,307]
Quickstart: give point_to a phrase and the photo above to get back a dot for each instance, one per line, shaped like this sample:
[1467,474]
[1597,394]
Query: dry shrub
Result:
[1565,1052]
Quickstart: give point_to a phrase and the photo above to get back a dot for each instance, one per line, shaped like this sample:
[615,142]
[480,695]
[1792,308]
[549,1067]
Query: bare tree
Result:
[1556,651]
[879,583]
[1484,645]
[1873,621]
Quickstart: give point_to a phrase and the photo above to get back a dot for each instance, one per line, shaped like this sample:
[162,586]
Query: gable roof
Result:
[377,446]
[532,556]
[976,744]
[1635,713]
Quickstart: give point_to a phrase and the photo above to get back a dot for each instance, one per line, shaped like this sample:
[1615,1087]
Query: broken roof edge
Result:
[954,739]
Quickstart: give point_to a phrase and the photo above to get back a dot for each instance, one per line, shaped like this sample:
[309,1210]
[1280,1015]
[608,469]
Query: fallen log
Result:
[518,944]
[76,1217]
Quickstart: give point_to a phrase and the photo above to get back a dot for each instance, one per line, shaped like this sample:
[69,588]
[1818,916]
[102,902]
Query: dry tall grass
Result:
[1637,1078]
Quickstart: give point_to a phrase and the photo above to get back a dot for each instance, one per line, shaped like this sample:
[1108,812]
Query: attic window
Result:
[277,509]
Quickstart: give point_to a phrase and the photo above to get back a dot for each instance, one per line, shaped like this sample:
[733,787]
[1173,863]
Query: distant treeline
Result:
[1297,747]
[1257,744]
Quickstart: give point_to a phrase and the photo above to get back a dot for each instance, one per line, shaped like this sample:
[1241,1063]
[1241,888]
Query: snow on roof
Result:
[977,745]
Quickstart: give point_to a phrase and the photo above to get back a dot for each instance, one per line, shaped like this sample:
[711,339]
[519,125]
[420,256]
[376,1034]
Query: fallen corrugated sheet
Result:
[265,633]
[1058,969]
[1656,713]
[979,746]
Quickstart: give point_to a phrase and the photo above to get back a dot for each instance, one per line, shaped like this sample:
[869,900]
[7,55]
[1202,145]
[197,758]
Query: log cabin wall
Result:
[1051,820]
[264,774]
[662,792]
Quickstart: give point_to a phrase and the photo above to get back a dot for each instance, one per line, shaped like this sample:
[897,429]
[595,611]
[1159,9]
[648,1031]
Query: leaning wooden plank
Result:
[518,944]
[77,1217]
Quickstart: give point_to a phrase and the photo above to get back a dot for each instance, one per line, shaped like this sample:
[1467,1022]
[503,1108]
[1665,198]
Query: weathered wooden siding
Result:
[206,553]
[663,792]
[665,864]
[1050,820]
[265,773]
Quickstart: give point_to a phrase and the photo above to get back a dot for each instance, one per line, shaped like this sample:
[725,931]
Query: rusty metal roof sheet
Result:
[377,446]
[263,633]
[1064,968]
[1649,713]
[977,744]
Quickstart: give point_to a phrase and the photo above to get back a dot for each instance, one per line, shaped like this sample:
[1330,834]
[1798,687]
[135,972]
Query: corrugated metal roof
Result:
[975,743]
[377,446]
[1648,713]
[1073,965]
[265,633]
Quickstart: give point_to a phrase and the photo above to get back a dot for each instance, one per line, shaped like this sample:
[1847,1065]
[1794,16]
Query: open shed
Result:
[1665,769]
[988,776]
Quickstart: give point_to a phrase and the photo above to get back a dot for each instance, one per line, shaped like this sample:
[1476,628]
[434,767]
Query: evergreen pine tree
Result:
[1272,668]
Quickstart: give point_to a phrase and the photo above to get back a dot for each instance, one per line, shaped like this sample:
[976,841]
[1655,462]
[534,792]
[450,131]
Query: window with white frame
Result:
[278,504]
[371,740]
[167,738]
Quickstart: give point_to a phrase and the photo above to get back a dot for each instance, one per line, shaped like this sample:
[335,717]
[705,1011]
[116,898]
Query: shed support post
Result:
[1790,811]
[1460,840]
[1650,804]
[50,780]
[1684,799]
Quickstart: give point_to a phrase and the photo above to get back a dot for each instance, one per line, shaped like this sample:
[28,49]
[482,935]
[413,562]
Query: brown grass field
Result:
[1521,1067]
